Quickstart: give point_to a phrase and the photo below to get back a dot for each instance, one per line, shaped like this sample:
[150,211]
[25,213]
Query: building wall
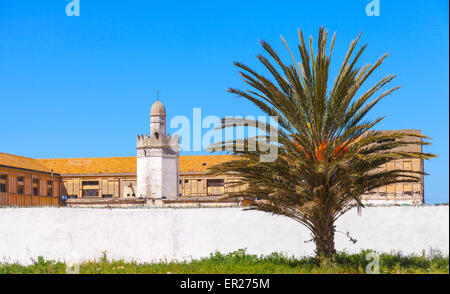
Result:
[146,235]
[157,158]
[122,186]
[201,184]
[411,193]
[170,175]
[157,173]
[107,186]
[144,181]
[205,185]
[36,189]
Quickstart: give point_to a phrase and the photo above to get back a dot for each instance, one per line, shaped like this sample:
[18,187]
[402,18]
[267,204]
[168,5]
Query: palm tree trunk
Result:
[324,240]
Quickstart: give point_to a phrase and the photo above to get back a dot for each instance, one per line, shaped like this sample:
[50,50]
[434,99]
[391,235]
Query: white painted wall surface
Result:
[143,177]
[145,235]
[157,174]
[154,173]
[170,176]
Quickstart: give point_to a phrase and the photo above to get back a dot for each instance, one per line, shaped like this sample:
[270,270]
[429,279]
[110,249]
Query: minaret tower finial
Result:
[157,120]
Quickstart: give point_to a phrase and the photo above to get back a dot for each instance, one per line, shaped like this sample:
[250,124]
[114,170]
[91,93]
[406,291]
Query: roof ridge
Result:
[17,155]
[107,157]
[22,162]
[66,158]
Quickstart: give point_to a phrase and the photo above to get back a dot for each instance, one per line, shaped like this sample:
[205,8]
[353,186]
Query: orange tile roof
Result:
[201,163]
[22,162]
[104,165]
[113,165]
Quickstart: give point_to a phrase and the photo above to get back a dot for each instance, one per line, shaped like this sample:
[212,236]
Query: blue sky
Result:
[83,86]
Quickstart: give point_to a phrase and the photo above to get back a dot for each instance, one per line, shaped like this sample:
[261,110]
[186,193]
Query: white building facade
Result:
[157,159]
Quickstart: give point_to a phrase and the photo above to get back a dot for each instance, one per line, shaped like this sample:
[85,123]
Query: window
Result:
[20,185]
[90,193]
[35,186]
[49,188]
[107,196]
[186,181]
[214,182]
[385,141]
[215,186]
[90,183]
[3,183]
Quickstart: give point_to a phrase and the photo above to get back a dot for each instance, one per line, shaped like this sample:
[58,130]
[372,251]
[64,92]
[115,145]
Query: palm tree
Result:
[328,153]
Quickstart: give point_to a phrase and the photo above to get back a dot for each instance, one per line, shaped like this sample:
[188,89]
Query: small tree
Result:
[328,154]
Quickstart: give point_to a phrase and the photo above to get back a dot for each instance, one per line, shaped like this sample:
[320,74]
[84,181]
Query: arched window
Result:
[156,135]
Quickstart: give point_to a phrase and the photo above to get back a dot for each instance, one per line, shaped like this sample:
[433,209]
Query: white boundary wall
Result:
[144,235]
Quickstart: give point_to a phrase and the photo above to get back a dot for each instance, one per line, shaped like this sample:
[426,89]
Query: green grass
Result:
[240,262]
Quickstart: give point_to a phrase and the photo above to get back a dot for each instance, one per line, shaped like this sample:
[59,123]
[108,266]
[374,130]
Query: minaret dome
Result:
[158,120]
[158,109]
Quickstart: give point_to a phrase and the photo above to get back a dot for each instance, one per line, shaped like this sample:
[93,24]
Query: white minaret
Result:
[157,158]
